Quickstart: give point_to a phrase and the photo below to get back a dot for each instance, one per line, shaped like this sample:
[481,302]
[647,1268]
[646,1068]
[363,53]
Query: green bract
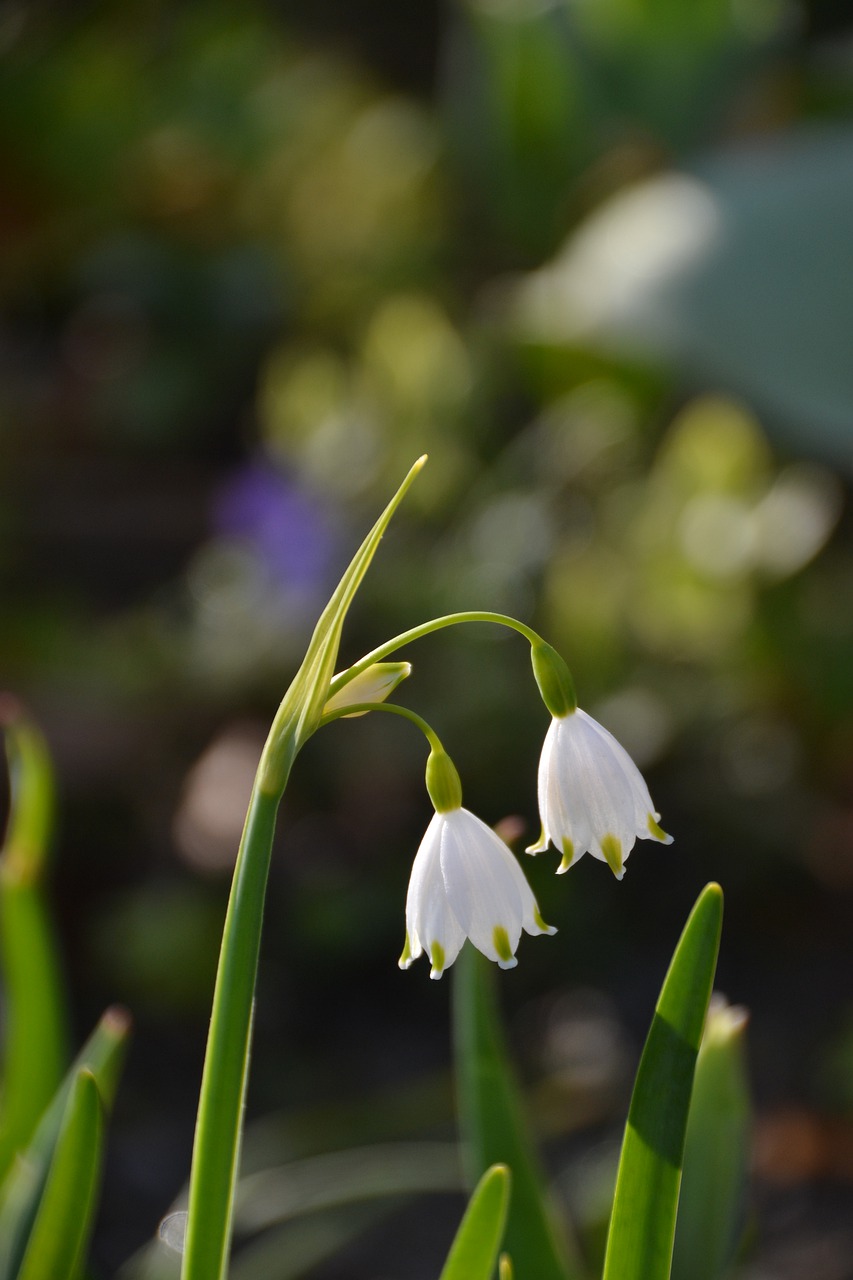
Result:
[554,679]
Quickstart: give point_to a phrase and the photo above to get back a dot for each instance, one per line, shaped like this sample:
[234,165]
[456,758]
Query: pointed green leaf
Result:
[475,1248]
[220,1112]
[35,1020]
[494,1128]
[642,1225]
[57,1244]
[23,1188]
[716,1153]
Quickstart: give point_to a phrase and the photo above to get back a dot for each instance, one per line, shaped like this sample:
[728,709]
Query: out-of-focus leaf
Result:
[60,1233]
[740,271]
[35,1023]
[296,1248]
[345,1177]
[512,91]
[475,1247]
[493,1125]
[667,66]
[283,1252]
[716,1152]
[642,1224]
[22,1190]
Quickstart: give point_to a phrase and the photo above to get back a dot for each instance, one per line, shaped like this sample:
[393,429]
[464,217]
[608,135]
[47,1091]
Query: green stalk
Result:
[223,1086]
[219,1122]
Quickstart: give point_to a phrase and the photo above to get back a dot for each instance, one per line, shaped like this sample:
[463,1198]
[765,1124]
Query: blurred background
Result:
[596,258]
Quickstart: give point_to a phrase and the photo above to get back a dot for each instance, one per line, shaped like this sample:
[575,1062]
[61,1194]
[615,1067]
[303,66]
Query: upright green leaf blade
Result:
[493,1126]
[642,1225]
[23,1187]
[716,1152]
[35,1021]
[60,1233]
[475,1248]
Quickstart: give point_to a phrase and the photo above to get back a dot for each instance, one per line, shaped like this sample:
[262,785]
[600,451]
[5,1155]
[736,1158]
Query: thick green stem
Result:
[425,629]
[216,1148]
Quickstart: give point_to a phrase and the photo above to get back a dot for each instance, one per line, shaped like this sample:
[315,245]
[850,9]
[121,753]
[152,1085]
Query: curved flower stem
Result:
[358,707]
[425,629]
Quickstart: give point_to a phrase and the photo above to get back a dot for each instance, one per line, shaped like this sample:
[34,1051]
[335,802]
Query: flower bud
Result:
[373,685]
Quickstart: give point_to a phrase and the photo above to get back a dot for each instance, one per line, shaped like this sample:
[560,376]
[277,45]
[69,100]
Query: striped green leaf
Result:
[642,1225]
[716,1153]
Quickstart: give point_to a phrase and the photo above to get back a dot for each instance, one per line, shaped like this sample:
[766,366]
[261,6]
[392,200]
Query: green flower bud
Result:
[442,781]
[373,685]
[554,680]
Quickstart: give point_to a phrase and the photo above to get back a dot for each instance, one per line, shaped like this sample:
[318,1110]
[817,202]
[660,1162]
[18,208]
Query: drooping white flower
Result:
[592,797]
[465,883]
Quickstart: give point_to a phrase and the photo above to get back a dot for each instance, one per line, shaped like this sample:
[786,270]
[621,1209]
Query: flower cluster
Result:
[465,882]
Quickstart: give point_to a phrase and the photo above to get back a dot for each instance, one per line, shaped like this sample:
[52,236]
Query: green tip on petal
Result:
[612,850]
[406,958]
[436,955]
[550,929]
[500,940]
[656,832]
[568,856]
[541,844]
[505,1267]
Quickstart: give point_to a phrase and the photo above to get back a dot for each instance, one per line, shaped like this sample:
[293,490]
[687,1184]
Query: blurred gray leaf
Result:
[740,272]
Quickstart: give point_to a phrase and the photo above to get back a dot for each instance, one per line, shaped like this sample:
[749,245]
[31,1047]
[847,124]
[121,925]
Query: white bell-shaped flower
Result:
[592,797]
[465,883]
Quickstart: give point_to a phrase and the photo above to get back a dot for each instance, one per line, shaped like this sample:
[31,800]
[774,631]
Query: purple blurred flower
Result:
[289,530]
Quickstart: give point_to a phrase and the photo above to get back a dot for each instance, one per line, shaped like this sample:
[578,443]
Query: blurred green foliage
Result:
[601,274]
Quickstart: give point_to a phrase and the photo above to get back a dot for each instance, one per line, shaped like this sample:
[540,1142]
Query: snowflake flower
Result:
[465,883]
[592,797]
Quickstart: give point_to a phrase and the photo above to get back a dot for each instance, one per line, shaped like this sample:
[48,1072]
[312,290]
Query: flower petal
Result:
[592,797]
[430,922]
[479,881]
